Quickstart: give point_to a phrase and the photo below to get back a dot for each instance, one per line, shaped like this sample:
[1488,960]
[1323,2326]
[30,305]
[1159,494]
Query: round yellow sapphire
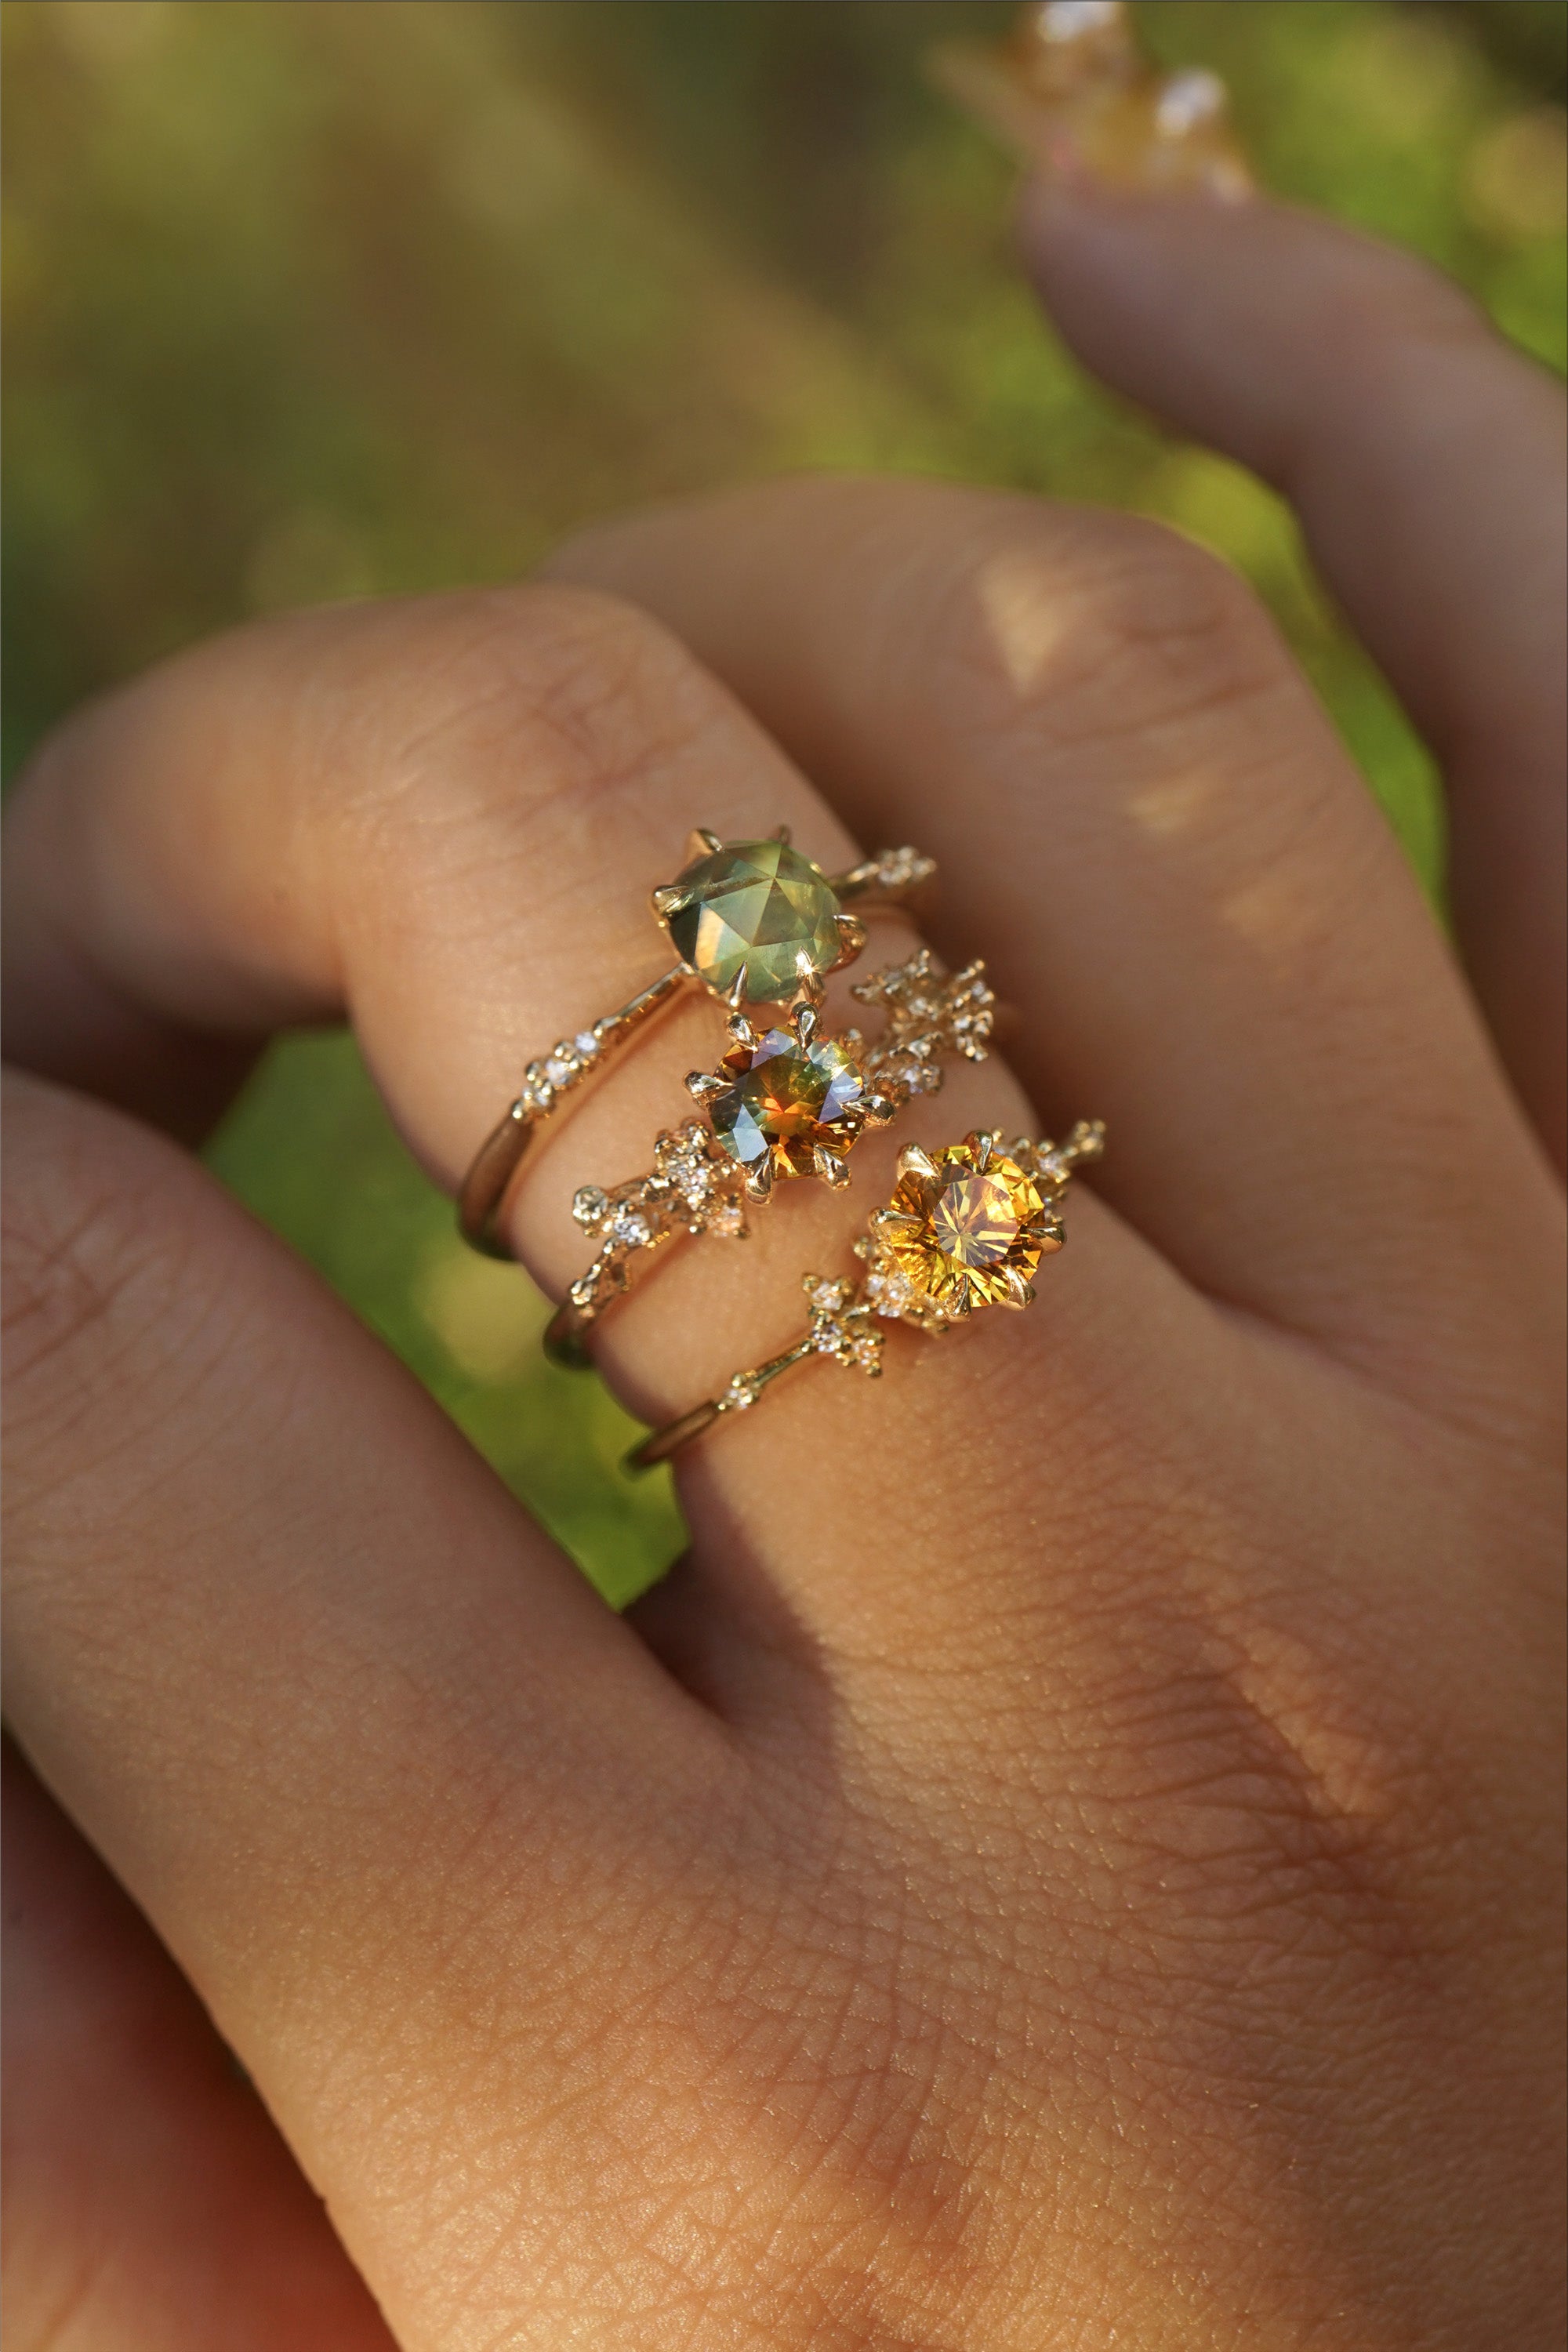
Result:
[786,1100]
[756,907]
[966,1229]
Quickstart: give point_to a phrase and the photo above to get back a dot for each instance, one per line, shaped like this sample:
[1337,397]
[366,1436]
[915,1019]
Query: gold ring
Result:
[754,922]
[965,1229]
[784,1102]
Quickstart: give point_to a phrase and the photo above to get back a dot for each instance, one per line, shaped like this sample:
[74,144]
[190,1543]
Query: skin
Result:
[1071,1858]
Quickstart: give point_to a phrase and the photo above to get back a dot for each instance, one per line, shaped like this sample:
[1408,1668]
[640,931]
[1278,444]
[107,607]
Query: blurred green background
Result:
[311,299]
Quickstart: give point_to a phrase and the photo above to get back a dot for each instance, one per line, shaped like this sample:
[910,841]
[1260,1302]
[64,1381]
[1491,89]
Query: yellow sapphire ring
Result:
[965,1229]
[785,1101]
[754,922]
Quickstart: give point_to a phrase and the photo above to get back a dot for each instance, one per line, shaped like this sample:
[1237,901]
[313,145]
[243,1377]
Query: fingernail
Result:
[1072,97]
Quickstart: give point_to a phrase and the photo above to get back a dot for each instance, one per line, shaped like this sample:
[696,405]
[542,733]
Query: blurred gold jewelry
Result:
[1072,93]
[754,922]
[965,1229]
[784,1102]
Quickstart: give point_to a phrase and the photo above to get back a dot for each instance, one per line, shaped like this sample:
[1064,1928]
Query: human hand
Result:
[1071,1858]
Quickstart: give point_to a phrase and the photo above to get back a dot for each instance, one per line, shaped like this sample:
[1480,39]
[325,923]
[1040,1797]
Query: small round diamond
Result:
[585,1045]
[631,1229]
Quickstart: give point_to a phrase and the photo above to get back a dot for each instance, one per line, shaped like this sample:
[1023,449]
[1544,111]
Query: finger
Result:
[1205,922]
[302,1673]
[150,2204]
[1427,463]
[443,817]
[446,817]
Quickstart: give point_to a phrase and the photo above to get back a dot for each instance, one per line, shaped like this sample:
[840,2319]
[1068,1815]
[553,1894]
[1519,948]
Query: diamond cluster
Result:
[691,1188]
[784,1102]
[929,1014]
[562,1067]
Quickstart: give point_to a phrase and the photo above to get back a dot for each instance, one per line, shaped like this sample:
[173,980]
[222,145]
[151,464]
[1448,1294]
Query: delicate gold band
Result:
[965,1229]
[785,1104]
[890,879]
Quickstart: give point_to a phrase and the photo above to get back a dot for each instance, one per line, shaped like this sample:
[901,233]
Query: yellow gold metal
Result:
[1007,1217]
[784,1103]
[890,878]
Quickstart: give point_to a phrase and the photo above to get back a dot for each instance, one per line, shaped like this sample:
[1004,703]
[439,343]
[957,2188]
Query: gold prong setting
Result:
[922,1253]
[967,1228]
[760,963]
[790,1102]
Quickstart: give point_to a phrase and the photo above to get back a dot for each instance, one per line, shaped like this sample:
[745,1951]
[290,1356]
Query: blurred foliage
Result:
[310,299]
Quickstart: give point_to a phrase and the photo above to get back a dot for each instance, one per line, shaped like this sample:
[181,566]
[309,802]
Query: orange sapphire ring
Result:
[785,1101]
[965,1229]
[754,922]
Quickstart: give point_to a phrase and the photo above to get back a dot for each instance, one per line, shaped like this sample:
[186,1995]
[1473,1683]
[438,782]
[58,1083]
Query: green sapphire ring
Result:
[754,922]
[785,1101]
[965,1229]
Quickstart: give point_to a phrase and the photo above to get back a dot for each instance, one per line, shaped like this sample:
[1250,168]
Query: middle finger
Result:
[1097,728]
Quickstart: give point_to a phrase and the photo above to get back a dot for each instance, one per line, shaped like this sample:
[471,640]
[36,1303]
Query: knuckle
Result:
[1099,627]
[518,706]
[1126,683]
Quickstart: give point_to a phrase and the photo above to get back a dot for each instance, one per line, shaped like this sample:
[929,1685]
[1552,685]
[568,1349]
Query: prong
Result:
[852,938]
[982,1145]
[888,1220]
[915,1161]
[741,1031]
[703,1085]
[830,1167]
[669,899]
[1016,1292]
[782,833]
[1051,1238]
[702,843]
[876,1111]
[759,1181]
[802,1021]
[735,994]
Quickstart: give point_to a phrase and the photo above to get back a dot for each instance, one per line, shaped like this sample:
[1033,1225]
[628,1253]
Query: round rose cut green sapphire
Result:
[754,908]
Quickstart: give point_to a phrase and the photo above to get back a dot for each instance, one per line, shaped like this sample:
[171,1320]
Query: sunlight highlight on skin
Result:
[1025,627]
[1176,807]
[1278,914]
